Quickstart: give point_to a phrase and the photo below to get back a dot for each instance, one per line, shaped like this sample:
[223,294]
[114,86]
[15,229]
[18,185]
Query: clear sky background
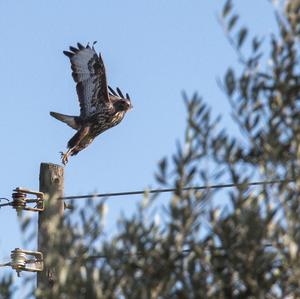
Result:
[152,49]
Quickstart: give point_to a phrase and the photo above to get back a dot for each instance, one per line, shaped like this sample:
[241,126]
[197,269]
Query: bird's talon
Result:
[64,158]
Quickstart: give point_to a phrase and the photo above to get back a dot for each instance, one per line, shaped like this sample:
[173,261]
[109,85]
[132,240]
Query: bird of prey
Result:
[101,107]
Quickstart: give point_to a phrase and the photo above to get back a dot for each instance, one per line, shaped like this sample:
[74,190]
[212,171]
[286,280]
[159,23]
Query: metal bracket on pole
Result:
[20,261]
[20,200]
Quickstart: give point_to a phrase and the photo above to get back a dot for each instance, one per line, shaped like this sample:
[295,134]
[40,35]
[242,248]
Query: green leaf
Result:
[230,82]
[163,165]
[25,223]
[191,174]
[255,44]
[227,8]
[232,22]
[241,37]
[256,121]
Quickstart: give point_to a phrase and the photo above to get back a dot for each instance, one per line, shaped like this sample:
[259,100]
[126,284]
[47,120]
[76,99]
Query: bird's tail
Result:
[72,121]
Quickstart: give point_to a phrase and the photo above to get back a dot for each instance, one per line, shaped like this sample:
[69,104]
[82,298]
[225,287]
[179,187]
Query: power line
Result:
[4,204]
[194,188]
[138,254]
[183,252]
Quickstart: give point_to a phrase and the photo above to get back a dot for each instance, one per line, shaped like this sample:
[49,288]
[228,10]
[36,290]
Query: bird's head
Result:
[120,102]
[123,105]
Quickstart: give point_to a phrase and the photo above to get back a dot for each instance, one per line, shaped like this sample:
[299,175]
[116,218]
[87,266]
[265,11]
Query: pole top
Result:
[48,164]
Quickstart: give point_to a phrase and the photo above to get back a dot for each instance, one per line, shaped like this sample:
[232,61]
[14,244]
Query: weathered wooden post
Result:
[50,220]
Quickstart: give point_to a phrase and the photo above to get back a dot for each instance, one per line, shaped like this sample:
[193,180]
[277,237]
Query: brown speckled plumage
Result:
[101,107]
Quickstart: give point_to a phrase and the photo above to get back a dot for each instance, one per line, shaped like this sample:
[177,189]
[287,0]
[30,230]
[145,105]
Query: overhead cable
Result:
[192,188]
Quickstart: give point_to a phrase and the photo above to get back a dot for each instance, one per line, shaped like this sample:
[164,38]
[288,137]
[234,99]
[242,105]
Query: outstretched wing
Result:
[89,73]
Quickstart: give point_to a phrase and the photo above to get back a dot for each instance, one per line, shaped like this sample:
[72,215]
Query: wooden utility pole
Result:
[50,220]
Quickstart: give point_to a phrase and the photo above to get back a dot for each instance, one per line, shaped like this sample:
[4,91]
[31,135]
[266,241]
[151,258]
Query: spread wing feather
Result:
[88,72]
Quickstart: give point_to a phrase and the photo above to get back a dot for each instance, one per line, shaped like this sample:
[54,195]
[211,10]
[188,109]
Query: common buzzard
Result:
[101,107]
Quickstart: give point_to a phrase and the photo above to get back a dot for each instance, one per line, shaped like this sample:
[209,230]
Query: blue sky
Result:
[152,49]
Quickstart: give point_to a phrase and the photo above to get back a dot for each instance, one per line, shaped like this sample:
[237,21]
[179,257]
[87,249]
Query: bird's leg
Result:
[74,142]
[64,156]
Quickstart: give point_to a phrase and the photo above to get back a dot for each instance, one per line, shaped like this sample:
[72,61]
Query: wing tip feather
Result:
[69,54]
[120,92]
[80,46]
[112,91]
[73,49]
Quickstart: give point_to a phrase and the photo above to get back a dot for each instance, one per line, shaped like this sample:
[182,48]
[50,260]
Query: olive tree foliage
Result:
[237,243]
[6,287]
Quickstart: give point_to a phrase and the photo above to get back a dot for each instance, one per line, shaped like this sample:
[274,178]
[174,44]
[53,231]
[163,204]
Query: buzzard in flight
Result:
[101,107]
